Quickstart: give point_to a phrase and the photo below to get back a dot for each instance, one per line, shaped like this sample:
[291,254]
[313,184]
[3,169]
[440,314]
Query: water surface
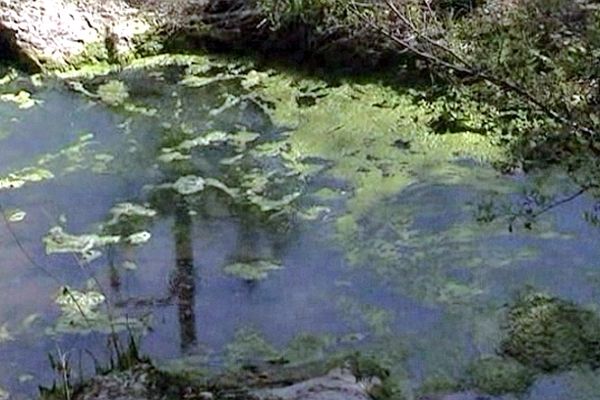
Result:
[387,257]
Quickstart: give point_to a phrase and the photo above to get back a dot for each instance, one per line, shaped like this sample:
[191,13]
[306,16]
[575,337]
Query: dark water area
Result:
[419,281]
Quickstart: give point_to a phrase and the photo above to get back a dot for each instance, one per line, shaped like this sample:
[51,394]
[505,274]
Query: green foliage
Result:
[550,334]
[284,13]
[550,49]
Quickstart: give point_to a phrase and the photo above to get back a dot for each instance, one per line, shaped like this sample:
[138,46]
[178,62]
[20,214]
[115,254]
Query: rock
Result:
[339,384]
[54,33]
[134,384]
[144,382]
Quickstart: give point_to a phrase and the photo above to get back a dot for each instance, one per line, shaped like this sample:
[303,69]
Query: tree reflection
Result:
[183,284]
[205,173]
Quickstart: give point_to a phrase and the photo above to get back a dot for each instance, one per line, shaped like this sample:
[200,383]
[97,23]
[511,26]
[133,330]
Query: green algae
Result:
[252,271]
[22,99]
[497,376]
[248,347]
[129,221]
[359,126]
[306,348]
[84,312]
[377,140]
[15,215]
[377,320]
[113,92]
[26,175]
[130,210]
[5,334]
[189,184]
[58,241]
[138,238]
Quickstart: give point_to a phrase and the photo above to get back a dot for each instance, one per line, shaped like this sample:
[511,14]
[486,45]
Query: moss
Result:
[93,54]
[551,334]
[496,376]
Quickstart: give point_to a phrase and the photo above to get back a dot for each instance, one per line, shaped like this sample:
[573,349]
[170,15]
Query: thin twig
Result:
[38,266]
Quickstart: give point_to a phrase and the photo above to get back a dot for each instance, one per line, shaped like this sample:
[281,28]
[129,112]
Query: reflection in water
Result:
[183,285]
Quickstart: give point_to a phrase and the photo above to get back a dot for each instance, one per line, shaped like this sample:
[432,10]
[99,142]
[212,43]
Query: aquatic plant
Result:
[248,347]
[83,312]
[22,99]
[551,334]
[19,178]
[15,215]
[496,376]
[113,92]
[252,271]
[87,245]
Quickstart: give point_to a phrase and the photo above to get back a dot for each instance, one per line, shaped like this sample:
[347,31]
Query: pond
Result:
[230,215]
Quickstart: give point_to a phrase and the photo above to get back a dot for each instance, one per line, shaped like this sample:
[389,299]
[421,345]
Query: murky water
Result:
[235,247]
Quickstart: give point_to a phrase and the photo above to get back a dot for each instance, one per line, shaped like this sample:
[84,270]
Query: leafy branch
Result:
[417,39]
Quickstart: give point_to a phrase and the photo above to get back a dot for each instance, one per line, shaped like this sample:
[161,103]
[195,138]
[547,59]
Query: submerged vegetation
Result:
[550,334]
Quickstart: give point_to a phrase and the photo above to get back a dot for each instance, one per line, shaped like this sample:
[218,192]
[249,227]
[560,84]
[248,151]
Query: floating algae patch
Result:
[86,311]
[58,241]
[252,271]
[74,157]
[22,99]
[377,138]
[15,215]
[19,178]
[130,220]
[249,347]
[113,92]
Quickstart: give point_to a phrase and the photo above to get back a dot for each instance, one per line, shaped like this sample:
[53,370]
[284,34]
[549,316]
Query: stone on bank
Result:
[51,34]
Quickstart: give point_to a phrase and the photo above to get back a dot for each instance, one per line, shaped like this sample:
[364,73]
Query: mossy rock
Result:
[496,376]
[551,334]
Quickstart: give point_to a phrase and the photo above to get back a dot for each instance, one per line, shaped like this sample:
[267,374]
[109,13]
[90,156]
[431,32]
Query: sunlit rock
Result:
[55,33]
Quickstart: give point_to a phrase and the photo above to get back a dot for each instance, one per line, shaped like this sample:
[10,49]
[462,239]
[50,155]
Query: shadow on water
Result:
[233,249]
